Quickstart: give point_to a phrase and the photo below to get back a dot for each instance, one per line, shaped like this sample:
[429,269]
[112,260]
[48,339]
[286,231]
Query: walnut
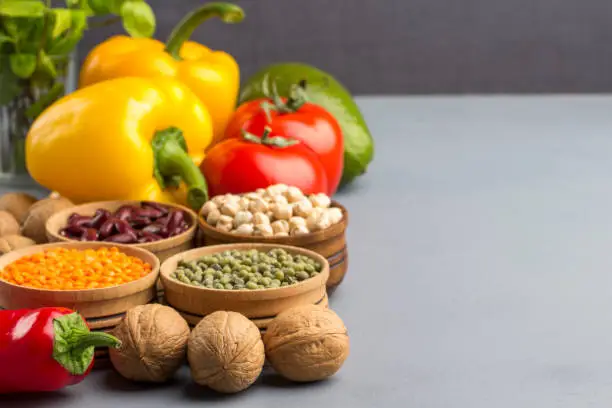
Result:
[225,352]
[306,343]
[154,343]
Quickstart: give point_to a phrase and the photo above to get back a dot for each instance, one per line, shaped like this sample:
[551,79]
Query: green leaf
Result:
[22,8]
[68,41]
[9,82]
[6,39]
[138,18]
[62,20]
[106,6]
[23,65]
[46,64]
[18,28]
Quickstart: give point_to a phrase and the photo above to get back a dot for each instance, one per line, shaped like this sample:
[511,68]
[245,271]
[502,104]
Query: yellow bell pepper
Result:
[126,138]
[212,75]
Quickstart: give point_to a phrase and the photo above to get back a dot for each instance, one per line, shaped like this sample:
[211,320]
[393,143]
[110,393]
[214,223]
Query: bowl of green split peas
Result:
[255,279]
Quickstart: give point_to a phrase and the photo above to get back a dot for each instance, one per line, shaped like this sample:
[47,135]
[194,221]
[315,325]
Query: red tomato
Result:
[311,124]
[238,165]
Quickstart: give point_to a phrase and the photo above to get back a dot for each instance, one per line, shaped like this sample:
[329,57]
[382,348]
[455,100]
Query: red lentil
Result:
[69,269]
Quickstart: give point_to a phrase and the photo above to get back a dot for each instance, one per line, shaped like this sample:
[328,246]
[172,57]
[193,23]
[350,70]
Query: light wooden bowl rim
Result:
[97,293]
[169,265]
[298,240]
[62,216]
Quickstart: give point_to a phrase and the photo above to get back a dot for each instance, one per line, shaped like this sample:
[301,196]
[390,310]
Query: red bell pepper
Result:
[46,349]
[242,165]
[294,118]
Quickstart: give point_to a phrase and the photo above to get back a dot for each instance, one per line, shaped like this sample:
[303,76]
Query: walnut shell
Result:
[307,343]
[8,224]
[34,224]
[154,343]
[17,204]
[225,352]
[9,243]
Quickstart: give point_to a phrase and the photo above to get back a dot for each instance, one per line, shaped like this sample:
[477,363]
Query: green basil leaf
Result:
[23,65]
[9,82]
[138,18]
[22,8]
[68,41]
[6,39]
[56,91]
[105,6]
[18,28]
[62,20]
[73,3]
[46,65]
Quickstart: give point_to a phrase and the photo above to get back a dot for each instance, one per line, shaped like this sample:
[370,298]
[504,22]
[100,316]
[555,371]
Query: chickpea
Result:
[294,194]
[277,189]
[320,200]
[230,208]
[279,199]
[244,229]
[213,217]
[261,218]
[260,192]
[297,222]
[225,219]
[299,230]
[281,234]
[283,212]
[258,204]
[207,208]
[227,227]
[244,203]
[335,215]
[302,208]
[242,217]
[264,230]
[252,195]
[313,219]
[219,200]
[280,226]
[323,222]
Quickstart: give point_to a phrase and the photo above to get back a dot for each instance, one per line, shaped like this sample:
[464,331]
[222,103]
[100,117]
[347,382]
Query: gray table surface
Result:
[490,220]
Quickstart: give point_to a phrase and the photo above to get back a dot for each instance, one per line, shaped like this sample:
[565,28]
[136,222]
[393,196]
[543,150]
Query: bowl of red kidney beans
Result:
[122,222]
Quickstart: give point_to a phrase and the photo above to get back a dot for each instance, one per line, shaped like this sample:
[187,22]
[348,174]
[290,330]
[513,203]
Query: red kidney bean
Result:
[122,226]
[108,228]
[90,234]
[124,212]
[148,213]
[148,237]
[150,204]
[139,222]
[81,221]
[153,228]
[72,217]
[125,238]
[72,231]
[163,220]
[175,220]
[100,217]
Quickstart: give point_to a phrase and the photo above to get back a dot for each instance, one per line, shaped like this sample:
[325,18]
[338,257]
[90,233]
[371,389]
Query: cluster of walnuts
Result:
[226,351]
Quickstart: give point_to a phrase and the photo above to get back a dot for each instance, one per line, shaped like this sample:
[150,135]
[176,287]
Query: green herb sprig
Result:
[37,38]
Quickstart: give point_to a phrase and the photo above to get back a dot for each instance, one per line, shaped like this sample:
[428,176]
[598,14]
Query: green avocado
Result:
[321,89]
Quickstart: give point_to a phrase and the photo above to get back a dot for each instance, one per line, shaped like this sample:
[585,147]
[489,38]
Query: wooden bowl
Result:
[103,308]
[260,305]
[329,243]
[164,248]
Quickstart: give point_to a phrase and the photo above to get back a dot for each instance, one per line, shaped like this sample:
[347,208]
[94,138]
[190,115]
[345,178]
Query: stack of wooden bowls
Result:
[329,243]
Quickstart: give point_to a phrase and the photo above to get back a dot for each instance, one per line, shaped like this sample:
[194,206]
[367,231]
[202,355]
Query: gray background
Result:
[479,272]
[420,46]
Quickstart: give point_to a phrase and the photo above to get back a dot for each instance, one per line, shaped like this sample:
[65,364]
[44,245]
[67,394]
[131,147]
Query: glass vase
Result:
[16,119]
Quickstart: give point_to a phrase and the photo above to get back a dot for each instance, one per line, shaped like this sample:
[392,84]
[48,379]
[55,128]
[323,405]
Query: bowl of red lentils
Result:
[99,280]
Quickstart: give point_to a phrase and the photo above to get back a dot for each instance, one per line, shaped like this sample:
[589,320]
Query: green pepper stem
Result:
[172,161]
[227,12]
[74,343]
[94,339]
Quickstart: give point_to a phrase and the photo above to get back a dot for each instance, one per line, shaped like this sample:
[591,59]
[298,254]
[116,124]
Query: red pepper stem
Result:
[227,12]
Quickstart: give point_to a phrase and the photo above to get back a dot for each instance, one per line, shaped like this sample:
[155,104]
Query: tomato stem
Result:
[297,98]
[266,140]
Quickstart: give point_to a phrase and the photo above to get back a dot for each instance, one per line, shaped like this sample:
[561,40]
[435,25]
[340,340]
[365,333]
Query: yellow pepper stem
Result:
[227,12]
[172,164]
